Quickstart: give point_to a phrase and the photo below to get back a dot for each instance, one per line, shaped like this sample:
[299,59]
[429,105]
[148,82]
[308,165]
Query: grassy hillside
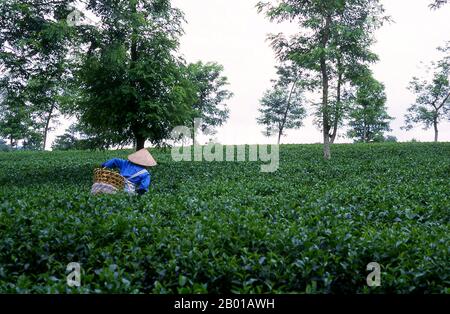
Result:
[312,226]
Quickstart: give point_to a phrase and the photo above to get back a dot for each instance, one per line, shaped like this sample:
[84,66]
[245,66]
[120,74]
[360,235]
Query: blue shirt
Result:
[127,169]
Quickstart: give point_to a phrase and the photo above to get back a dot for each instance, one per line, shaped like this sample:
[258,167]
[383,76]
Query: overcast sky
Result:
[232,33]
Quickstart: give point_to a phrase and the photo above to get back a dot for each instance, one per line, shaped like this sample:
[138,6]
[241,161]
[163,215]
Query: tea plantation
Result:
[225,227]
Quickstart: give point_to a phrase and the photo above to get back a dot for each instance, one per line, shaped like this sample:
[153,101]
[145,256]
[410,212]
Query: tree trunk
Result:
[193,132]
[326,125]
[333,136]
[139,139]
[140,142]
[47,125]
[365,136]
[286,112]
[338,104]
[325,85]
[134,52]
[436,131]
[326,146]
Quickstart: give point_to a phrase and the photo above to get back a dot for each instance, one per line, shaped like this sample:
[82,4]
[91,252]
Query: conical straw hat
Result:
[143,158]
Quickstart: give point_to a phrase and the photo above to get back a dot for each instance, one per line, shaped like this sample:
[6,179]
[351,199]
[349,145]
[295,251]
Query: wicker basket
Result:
[109,177]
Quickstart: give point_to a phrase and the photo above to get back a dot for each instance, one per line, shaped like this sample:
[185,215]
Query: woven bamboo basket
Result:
[109,177]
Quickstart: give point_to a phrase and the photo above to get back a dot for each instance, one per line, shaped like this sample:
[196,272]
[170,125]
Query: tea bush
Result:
[223,227]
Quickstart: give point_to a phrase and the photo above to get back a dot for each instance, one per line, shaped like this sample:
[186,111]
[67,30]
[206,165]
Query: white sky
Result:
[232,33]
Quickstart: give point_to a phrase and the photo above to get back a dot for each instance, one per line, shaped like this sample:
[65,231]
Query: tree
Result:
[34,46]
[281,109]
[15,117]
[93,138]
[368,117]
[211,94]
[282,106]
[45,96]
[33,141]
[4,147]
[83,137]
[390,139]
[432,96]
[333,37]
[437,4]
[132,83]
[67,141]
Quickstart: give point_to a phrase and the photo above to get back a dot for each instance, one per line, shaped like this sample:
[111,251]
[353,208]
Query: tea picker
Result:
[134,178]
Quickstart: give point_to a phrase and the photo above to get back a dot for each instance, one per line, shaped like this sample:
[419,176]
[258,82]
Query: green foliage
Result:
[84,137]
[15,118]
[368,117]
[132,82]
[34,43]
[33,141]
[211,94]
[390,138]
[66,141]
[282,107]
[312,226]
[333,44]
[432,96]
[122,77]
[4,147]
